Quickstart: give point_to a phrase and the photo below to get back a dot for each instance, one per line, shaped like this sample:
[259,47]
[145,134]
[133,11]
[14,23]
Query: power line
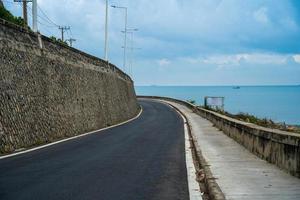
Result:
[54,25]
[47,16]
[50,25]
[45,21]
[44,25]
[9,2]
[71,32]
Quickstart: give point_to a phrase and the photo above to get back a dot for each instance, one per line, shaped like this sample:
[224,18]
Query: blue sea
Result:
[279,103]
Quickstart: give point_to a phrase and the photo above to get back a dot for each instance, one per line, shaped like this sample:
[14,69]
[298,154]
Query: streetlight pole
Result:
[125,39]
[106,32]
[131,54]
[125,35]
[131,32]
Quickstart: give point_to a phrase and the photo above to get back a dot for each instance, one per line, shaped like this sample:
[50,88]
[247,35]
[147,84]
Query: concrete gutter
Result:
[192,164]
[212,188]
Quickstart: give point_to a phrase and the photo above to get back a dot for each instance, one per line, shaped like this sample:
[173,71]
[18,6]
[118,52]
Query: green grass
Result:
[268,123]
[54,39]
[191,101]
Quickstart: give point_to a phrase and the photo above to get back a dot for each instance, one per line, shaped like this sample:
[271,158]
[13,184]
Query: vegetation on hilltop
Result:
[54,39]
[191,101]
[6,15]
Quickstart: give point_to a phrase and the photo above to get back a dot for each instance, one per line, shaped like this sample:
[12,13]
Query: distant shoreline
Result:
[296,85]
[276,102]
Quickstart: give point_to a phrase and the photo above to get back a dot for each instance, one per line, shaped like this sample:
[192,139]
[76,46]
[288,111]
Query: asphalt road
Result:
[143,159]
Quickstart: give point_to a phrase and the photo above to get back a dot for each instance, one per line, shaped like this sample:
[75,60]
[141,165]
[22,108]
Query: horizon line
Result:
[225,85]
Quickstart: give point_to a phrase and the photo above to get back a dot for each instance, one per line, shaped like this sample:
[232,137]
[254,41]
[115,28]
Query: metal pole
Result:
[125,41]
[106,33]
[71,40]
[131,31]
[131,56]
[63,29]
[125,36]
[34,16]
[62,33]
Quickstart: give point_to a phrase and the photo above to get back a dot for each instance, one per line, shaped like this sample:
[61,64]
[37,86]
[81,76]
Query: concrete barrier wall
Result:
[277,147]
[50,91]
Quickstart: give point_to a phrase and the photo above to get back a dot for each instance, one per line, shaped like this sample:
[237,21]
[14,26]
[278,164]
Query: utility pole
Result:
[25,13]
[71,40]
[34,16]
[106,33]
[25,16]
[63,29]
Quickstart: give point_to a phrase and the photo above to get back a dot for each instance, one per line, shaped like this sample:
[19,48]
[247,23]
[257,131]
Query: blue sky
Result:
[195,42]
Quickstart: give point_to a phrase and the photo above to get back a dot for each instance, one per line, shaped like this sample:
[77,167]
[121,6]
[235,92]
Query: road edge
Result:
[213,189]
[191,165]
[71,138]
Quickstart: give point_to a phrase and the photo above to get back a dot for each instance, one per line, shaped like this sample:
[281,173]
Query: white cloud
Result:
[297,58]
[265,58]
[222,60]
[239,59]
[196,36]
[261,15]
[164,62]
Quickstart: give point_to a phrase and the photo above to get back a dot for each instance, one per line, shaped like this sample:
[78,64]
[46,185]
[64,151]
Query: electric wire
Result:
[47,16]
[43,20]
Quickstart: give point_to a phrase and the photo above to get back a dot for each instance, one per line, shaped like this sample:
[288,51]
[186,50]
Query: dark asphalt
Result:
[143,159]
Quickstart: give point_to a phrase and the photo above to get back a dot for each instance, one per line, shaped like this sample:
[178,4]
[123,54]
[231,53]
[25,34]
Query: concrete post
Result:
[34,16]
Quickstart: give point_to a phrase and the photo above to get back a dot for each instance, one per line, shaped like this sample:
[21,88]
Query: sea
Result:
[278,103]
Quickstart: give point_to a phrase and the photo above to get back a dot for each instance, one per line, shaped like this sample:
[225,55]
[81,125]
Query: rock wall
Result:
[50,91]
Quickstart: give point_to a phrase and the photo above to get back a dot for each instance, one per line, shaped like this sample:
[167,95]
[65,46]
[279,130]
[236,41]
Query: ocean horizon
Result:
[279,103]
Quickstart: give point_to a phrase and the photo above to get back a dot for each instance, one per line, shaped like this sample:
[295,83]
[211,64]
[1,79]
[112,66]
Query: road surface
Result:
[143,159]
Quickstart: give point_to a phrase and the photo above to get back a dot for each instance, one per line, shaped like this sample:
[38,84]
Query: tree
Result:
[54,39]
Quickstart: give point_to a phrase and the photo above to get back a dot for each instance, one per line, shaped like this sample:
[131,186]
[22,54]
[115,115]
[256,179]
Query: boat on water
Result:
[236,87]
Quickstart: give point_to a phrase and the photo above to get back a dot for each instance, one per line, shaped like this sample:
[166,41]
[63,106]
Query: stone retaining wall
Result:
[50,91]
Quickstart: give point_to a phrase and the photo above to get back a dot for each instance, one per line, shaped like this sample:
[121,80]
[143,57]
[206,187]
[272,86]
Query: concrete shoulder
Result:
[237,172]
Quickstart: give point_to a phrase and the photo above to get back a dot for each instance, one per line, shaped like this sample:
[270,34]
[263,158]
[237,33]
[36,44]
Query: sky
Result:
[179,42]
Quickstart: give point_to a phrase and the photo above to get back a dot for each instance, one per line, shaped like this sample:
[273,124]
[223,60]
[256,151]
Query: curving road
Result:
[143,159]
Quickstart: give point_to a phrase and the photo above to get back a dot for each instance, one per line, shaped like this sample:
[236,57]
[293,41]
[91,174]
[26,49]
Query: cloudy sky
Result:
[194,42]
